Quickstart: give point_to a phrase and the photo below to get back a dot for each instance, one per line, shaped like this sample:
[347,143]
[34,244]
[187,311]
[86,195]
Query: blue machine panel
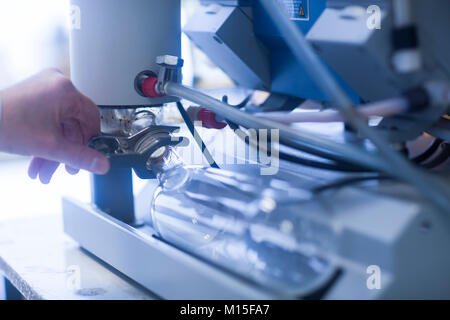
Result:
[287,76]
[296,9]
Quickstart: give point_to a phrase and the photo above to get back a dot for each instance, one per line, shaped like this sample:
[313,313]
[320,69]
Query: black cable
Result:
[429,152]
[442,157]
[437,161]
[300,147]
[349,181]
[333,166]
[337,164]
[342,166]
[196,136]
[324,154]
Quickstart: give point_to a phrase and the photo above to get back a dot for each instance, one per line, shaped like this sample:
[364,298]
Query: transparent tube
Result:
[386,108]
[248,226]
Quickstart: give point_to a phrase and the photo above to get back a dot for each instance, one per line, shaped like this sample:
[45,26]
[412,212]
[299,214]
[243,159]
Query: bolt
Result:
[170,61]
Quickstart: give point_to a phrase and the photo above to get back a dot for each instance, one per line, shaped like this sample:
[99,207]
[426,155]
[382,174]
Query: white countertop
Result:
[35,255]
[43,263]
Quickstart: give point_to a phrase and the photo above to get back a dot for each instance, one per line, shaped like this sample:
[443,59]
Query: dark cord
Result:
[442,157]
[436,162]
[332,166]
[429,152]
[335,165]
[196,136]
[349,181]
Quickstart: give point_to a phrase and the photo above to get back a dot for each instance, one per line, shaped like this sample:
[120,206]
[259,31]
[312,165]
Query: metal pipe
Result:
[433,188]
[350,153]
[398,166]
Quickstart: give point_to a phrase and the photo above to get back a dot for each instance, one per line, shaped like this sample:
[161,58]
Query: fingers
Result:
[82,157]
[68,120]
[89,119]
[72,148]
[72,171]
[47,170]
[35,166]
[79,132]
[42,168]
[72,132]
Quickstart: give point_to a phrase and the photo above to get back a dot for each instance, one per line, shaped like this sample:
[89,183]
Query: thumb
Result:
[83,157]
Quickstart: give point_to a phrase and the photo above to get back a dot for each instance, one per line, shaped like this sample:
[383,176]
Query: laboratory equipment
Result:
[353,211]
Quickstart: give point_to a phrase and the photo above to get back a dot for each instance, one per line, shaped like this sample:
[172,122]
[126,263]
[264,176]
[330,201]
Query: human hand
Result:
[47,117]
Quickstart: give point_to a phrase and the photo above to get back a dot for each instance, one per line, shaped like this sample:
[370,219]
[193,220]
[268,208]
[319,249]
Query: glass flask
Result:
[245,224]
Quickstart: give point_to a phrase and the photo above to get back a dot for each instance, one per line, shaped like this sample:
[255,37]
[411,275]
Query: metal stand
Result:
[113,194]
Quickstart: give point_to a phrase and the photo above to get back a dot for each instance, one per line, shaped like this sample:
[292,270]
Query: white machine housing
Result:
[115,40]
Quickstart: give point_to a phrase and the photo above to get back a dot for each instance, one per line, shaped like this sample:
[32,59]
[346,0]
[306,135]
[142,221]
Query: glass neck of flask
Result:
[168,168]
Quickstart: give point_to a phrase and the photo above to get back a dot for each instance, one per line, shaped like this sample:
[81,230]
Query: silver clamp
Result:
[170,71]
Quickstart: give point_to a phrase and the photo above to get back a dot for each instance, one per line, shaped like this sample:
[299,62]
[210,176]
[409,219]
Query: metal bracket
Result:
[135,151]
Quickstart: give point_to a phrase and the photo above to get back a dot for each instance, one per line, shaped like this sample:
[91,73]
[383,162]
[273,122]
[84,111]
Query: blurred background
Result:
[34,35]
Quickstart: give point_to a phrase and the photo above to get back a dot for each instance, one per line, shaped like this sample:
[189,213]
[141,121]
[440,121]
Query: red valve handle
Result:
[149,87]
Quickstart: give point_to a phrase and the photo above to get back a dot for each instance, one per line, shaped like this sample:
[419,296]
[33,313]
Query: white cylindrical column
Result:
[112,41]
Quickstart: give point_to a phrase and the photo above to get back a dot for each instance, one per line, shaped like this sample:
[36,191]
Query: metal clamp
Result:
[135,151]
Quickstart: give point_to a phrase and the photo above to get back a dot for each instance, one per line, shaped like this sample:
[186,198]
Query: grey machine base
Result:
[406,240]
[166,271]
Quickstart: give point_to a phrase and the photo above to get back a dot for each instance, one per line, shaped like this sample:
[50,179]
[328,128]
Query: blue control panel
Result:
[296,9]
[287,75]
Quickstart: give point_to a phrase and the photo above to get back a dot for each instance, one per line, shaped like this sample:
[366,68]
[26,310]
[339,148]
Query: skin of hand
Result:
[48,118]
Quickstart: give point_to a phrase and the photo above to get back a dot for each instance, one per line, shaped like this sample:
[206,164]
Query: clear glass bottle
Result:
[246,224]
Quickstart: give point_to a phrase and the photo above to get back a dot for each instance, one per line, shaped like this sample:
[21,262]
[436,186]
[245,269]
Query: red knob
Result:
[208,119]
[149,87]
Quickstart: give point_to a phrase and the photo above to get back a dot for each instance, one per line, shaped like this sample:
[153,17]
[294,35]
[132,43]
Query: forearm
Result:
[8,124]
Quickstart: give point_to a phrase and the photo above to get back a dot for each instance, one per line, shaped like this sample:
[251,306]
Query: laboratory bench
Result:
[41,262]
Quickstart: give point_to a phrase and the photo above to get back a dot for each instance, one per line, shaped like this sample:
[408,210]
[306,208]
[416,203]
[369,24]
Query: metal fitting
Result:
[170,71]
[136,150]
